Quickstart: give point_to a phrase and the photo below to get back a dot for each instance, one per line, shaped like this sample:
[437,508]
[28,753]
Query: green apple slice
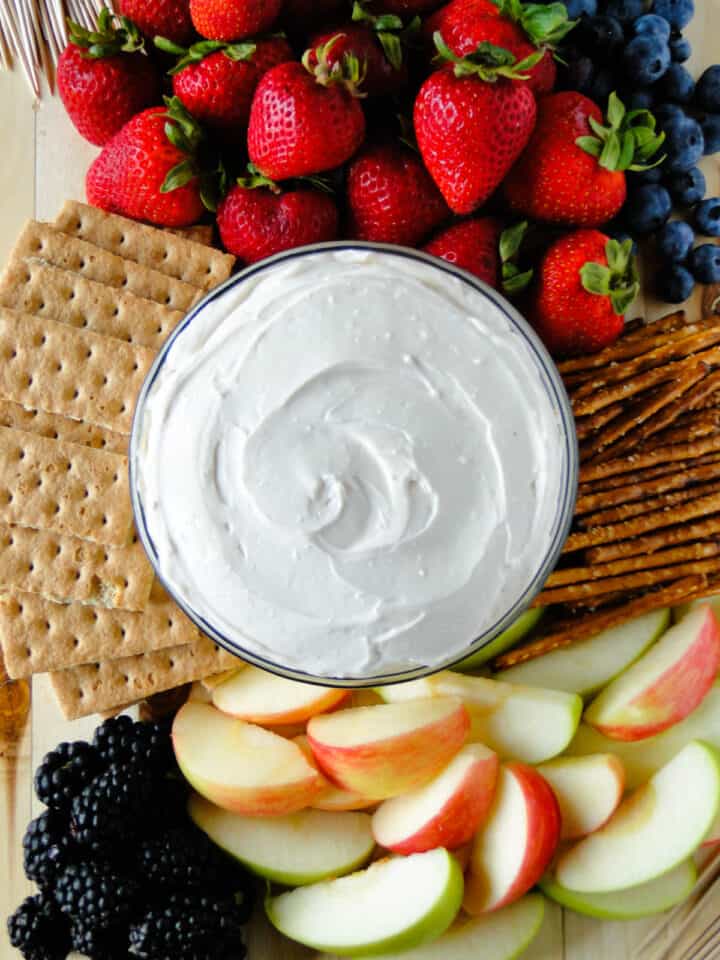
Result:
[395,904]
[295,849]
[647,899]
[652,831]
[502,935]
[588,665]
[503,641]
[682,609]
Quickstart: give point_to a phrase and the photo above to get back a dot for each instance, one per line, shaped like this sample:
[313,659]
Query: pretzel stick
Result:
[588,425]
[687,533]
[627,511]
[672,453]
[693,431]
[665,483]
[693,551]
[667,324]
[593,624]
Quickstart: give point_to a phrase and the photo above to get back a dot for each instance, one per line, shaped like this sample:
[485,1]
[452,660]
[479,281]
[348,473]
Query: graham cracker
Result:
[175,256]
[57,427]
[38,634]
[42,241]
[79,374]
[64,487]
[100,686]
[65,568]
[200,233]
[31,286]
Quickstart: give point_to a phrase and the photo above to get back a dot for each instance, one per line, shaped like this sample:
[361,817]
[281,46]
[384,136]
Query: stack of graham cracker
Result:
[85,305]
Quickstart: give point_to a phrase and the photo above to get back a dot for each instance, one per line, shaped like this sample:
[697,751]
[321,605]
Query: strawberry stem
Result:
[391,32]
[514,281]
[198,51]
[488,62]
[257,180]
[618,280]
[628,141]
[545,24]
[348,71]
[107,40]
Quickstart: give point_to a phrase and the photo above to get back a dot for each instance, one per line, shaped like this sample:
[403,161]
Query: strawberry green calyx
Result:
[198,51]
[185,133]
[256,180]
[514,280]
[618,280]
[348,72]
[545,24]
[391,32]
[628,141]
[487,61]
[108,39]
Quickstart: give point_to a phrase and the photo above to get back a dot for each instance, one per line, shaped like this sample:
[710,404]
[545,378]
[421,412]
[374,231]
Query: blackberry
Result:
[189,927]
[94,895]
[110,811]
[65,772]
[39,930]
[100,943]
[123,740]
[47,847]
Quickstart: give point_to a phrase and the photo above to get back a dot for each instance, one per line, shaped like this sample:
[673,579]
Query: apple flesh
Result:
[394,904]
[503,641]
[645,900]
[265,698]
[652,831]
[389,749]
[712,838]
[590,664]
[503,935]
[526,724]
[682,609]
[239,766]
[514,847]
[295,849]
[330,797]
[446,812]
[588,790]
[663,686]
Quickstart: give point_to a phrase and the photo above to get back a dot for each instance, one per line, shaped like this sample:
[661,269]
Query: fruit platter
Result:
[188,772]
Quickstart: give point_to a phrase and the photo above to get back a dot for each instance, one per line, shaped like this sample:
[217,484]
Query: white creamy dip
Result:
[351,464]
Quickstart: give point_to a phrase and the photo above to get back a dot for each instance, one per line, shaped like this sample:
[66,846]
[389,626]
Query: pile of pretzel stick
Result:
[646,530]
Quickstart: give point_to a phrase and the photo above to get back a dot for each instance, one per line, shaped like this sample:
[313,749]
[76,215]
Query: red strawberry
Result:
[311,12]
[104,79]
[305,120]
[217,86]
[161,18]
[409,6]
[256,219]
[233,19]
[391,197]
[471,245]
[572,169]
[471,130]
[141,174]
[586,282]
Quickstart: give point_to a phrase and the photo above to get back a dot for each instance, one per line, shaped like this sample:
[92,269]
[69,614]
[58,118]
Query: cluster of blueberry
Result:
[637,48]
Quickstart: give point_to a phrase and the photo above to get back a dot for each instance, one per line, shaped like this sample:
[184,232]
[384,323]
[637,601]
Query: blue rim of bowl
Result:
[563,517]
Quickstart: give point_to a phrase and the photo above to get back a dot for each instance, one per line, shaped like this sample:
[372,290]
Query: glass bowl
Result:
[561,507]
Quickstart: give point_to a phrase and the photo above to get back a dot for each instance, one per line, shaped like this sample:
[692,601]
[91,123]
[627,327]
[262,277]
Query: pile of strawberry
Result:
[397,121]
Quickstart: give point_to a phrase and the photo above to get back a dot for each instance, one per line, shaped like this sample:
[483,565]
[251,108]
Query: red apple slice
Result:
[588,790]
[386,750]
[445,812]
[663,686]
[712,838]
[241,767]
[516,844]
[265,698]
[330,797]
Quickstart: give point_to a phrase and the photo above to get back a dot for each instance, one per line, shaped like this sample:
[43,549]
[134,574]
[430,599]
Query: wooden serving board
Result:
[43,162]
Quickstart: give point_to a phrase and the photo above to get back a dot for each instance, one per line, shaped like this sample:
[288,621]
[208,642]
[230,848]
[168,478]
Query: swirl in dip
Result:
[352,463]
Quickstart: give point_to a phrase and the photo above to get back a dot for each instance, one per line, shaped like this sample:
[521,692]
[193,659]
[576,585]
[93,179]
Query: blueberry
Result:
[653,25]
[675,284]
[678,13]
[646,59]
[653,175]
[705,263]
[707,90]
[602,85]
[707,217]
[647,208]
[580,74]
[687,188]
[625,9]
[680,49]
[599,37]
[710,124]
[677,85]
[684,143]
[675,240]
[576,8]
[665,112]
[641,99]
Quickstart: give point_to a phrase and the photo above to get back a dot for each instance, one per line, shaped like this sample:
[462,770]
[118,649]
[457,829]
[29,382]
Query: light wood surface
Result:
[43,162]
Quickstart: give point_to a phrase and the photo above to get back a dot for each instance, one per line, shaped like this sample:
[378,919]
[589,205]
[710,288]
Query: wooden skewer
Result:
[12,30]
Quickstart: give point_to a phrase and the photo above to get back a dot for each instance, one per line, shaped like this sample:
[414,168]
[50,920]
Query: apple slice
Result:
[713,835]
[389,749]
[295,849]
[330,797]
[261,697]
[682,609]
[503,935]
[513,848]
[664,685]
[527,724]
[588,790]
[445,812]
[590,664]
[503,641]
[394,904]
[239,766]
[645,900]
[652,831]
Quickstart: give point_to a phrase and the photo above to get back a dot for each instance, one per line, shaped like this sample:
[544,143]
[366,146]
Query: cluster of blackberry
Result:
[122,871]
